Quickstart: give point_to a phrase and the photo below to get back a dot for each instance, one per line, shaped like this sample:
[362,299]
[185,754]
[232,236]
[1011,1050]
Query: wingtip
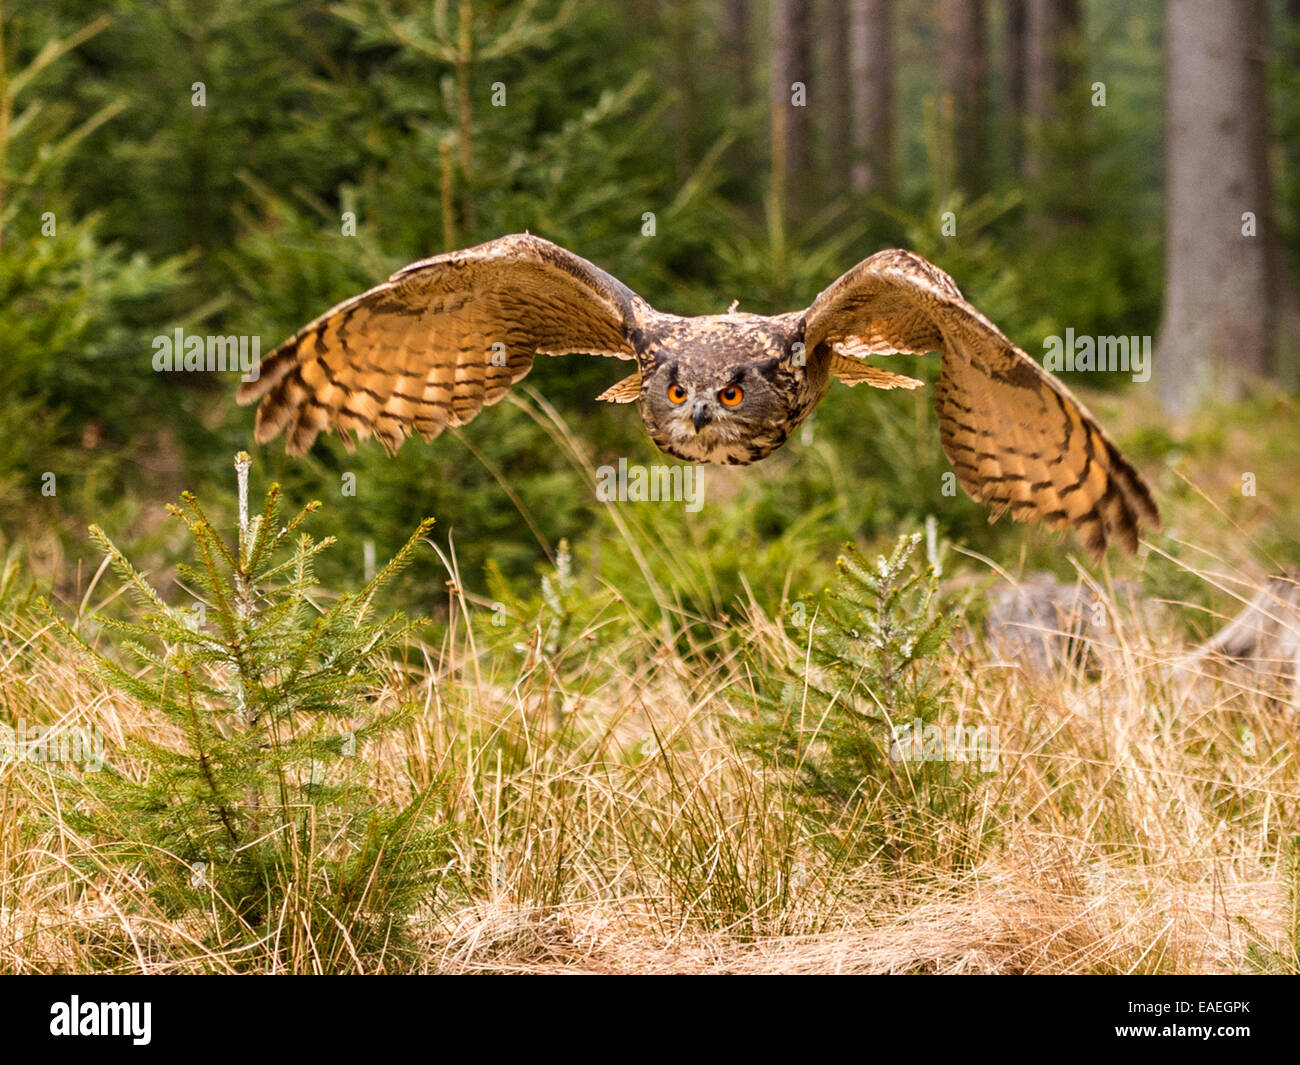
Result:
[264,430]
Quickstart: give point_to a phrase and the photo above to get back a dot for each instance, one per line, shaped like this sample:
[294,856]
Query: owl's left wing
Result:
[1017,438]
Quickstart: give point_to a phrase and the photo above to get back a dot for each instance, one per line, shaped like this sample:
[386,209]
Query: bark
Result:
[791,63]
[682,21]
[838,87]
[1053,30]
[737,53]
[871,83]
[1219,325]
[963,78]
[1013,80]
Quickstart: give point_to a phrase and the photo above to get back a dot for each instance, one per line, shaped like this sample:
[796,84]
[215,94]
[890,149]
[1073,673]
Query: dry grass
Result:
[620,826]
[606,810]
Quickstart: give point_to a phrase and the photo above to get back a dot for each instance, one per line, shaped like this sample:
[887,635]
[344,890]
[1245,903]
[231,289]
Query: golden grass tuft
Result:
[1134,824]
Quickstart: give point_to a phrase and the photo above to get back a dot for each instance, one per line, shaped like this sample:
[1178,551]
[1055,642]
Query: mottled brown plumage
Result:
[444,337]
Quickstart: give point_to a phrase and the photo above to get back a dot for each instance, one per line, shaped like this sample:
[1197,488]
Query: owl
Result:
[445,337]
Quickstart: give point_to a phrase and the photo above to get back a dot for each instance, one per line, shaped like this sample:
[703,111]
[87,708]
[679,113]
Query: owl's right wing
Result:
[1016,436]
[438,341]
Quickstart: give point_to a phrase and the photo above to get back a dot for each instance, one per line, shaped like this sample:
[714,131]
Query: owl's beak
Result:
[700,417]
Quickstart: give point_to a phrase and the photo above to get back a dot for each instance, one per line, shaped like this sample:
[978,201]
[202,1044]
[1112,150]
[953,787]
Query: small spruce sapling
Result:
[253,803]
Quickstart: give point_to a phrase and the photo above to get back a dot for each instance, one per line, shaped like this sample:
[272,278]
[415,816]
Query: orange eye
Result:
[676,394]
[732,396]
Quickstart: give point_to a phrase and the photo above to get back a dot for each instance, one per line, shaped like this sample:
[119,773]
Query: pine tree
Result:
[862,717]
[73,308]
[258,814]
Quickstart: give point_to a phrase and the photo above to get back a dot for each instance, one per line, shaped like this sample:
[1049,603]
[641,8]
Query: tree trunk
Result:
[1013,79]
[1287,354]
[1053,30]
[871,70]
[1219,322]
[963,76]
[682,17]
[791,142]
[737,54]
[839,93]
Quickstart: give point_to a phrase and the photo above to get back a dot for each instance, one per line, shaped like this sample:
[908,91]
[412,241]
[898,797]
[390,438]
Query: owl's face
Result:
[720,394]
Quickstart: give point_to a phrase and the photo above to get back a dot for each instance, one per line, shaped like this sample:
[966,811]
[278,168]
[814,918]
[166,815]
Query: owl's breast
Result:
[702,448]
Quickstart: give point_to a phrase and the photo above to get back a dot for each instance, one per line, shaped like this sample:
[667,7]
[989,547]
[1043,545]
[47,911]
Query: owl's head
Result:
[724,392]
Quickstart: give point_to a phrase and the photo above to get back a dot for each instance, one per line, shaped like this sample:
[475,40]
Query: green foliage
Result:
[1282,959]
[258,803]
[71,307]
[440,125]
[862,716]
[439,166]
[561,633]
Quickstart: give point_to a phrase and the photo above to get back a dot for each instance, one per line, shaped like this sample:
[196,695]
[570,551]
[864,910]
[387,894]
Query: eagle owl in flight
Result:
[446,336]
